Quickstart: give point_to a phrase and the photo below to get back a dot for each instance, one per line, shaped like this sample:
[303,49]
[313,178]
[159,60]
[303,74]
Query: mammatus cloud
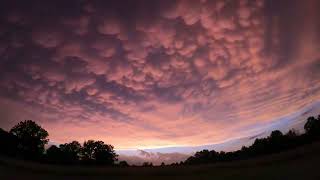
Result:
[146,74]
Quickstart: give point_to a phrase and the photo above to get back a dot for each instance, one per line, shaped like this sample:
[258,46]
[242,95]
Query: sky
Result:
[150,74]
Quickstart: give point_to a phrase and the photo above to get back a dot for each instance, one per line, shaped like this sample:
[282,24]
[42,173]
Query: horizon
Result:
[160,76]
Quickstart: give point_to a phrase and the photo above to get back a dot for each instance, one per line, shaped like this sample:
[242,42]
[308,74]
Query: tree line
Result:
[275,142]
[27,140]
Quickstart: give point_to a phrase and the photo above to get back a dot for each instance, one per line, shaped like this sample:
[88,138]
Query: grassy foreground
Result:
[300,163]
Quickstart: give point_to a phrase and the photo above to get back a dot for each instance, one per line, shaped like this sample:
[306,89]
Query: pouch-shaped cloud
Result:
[142,74]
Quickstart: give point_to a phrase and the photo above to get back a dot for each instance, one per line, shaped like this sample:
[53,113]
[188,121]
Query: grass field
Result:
[302,164]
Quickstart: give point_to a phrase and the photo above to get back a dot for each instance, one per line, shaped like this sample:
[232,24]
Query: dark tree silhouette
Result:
[292,133]
[70,152]
[98,152]
[276,134]
[8,143]
[31,139]
[123,164]
[147,164]
[27,140]
[274,143]
[54,154]
[312,126]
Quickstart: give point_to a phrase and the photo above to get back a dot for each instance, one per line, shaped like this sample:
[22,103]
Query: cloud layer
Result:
[141,74]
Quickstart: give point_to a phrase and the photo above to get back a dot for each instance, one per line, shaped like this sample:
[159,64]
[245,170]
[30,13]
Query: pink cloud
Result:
[196,66]
[78,25]
[112,26]
[47,39]
[78,83]
[105,47]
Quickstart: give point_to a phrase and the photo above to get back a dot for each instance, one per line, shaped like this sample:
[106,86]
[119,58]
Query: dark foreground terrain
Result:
[300,163]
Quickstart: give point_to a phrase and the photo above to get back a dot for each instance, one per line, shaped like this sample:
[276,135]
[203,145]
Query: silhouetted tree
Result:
[98,152]
[292,133]
[27,139]
[174,164]
[276,142]
[123,164]
[276,134]
[147,164]
[54,154]
[70,152]
[162,164]
[312,126]
[31,139]
[8,143]
[203,157]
